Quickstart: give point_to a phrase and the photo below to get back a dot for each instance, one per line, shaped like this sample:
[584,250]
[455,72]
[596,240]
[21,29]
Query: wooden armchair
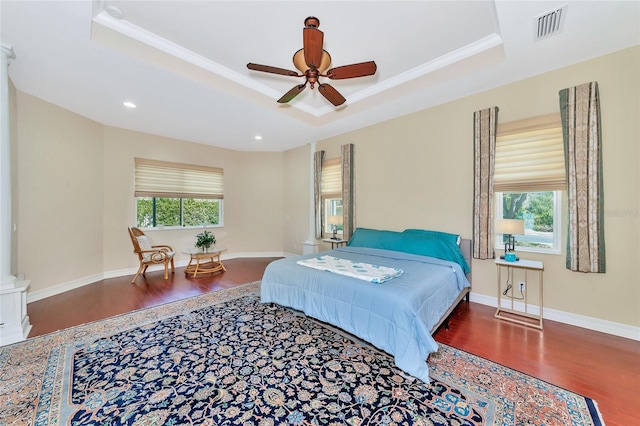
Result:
[150,255]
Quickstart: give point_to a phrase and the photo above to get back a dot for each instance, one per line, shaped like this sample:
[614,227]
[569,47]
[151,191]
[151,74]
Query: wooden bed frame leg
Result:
[467,297]
[446,324]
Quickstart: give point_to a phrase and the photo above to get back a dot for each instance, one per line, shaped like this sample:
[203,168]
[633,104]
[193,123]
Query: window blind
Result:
[530,156]
[175,180]
[331,178]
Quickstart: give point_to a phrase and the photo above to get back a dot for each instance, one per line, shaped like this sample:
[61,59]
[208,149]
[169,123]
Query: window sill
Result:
[174,228]
[532,250]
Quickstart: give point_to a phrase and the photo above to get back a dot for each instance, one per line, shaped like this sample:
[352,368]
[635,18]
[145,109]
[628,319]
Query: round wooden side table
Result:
[202,262]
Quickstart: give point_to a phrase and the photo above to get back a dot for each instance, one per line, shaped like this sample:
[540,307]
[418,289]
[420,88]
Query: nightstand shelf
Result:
[525,267]
[335,243]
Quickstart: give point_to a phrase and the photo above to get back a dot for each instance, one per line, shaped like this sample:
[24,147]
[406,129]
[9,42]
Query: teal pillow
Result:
[454,238]
[406,242]
[373,238]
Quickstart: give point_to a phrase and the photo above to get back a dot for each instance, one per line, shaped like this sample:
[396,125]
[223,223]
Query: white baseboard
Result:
[596,324]
[33,296]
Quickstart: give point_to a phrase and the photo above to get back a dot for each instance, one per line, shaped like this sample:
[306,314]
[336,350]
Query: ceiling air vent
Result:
[550,23]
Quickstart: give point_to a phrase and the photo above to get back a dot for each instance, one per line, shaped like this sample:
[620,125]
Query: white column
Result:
[311,245]
[14,321]
[6,279]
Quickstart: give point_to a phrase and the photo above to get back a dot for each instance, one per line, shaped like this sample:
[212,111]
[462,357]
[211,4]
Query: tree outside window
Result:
[538,210]
[158,211]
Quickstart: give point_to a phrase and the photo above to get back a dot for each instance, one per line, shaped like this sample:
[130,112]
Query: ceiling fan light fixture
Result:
[312,22]
[300,63]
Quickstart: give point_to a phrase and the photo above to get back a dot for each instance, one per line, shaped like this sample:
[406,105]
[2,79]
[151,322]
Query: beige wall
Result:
[60,175]
[75,195]
[252,204]
[296,181]
[417,171]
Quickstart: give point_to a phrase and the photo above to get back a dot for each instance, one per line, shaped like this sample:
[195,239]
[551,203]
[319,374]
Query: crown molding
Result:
[153,40]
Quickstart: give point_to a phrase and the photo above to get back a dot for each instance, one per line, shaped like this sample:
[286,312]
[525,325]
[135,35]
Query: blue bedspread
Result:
[396,316]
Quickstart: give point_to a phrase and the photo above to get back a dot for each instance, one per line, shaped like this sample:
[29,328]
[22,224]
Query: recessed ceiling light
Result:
[129,104]
[258,137]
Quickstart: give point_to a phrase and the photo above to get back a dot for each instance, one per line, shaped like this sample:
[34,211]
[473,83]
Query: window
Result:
[331,193]
[529,180]
[332,207]
[174,194]
[541,214]
[157,211]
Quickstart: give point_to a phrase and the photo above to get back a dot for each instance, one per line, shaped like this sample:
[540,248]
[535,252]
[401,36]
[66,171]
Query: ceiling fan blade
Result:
[331,94]
[272,70]
[292,93]
[354,70]
[313,39]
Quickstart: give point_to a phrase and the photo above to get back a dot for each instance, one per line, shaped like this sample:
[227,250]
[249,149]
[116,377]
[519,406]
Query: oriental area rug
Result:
[226,359]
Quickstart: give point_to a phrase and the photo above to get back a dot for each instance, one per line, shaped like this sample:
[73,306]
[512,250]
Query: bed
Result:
[397,316]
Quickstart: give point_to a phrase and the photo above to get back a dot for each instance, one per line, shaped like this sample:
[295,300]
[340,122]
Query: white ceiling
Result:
[184,62]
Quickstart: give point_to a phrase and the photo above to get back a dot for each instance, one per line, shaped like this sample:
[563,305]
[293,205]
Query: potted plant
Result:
[204,240]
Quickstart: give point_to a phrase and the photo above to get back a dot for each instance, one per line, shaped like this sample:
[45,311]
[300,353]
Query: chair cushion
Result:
[158,256]
[144,242]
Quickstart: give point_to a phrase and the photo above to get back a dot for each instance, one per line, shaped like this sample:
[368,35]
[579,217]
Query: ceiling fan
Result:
[312,61]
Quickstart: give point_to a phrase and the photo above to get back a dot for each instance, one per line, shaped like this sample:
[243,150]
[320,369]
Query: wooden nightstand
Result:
[335,243]
[523,317]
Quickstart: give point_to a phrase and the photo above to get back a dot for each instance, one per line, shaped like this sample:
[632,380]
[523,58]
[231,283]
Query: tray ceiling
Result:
[183,63]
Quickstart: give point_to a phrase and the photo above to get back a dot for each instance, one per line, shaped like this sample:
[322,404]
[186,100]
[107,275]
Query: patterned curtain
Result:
[485,123]
[580,110]
[318,156]
[348,192]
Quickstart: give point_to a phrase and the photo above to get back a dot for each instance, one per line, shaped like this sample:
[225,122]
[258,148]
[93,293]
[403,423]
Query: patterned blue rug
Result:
[225,358]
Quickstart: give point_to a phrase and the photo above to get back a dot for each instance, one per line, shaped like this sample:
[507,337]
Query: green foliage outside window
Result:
[539,204]
[153,212]
[512,205]
[168,211]
[145,212]
[197,212]
[535,208]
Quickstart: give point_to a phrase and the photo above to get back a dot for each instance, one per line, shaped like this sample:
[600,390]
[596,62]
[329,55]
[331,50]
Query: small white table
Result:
[510,314]
[335,243]
[202,262]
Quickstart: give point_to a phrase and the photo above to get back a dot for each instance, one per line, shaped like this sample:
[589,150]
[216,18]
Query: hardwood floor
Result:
[115,296]
[603,367]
